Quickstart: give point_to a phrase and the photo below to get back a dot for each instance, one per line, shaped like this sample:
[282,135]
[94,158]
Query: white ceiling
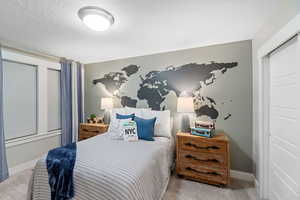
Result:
[141,27]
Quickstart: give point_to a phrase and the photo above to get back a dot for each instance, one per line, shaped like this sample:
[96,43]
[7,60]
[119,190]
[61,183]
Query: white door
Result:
[284,122]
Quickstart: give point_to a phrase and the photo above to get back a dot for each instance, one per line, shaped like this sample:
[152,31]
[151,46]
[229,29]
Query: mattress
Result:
[107,169]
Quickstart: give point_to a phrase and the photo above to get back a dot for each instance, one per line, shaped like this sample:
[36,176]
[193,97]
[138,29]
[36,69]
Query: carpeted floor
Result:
[15,188]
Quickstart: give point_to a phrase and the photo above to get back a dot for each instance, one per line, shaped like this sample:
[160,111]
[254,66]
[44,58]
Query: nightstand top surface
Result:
[217,137]
[94,124]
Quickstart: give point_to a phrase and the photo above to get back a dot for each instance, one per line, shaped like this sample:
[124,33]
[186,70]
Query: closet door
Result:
[284,122]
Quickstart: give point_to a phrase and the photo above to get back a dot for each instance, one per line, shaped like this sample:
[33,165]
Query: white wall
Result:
[28,151]
[289,9]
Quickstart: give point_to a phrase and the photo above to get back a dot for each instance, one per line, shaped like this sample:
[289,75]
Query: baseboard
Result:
[242,175]
[256,184]
[22,167]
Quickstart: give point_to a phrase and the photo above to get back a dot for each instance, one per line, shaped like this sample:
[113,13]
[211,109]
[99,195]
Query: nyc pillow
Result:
[130,131]
[145,128]
[163,122]
[116,128]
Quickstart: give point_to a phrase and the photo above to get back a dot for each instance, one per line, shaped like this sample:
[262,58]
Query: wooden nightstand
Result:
[203,159]
[87,130]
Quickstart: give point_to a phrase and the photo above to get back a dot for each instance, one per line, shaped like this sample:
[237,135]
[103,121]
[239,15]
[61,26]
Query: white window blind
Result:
[54,100]
[20,99]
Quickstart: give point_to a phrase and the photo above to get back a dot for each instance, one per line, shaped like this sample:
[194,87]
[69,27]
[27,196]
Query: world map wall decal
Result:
[155,86]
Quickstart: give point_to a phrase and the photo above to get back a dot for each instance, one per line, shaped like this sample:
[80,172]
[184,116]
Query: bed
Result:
[109,169]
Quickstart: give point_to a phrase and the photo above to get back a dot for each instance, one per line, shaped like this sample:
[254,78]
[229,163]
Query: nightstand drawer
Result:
[86,134]
[203,159]
[200,145]
[89,128]
[197,172]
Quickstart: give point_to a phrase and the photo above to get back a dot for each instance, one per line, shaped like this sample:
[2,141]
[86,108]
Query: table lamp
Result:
[106,104]
[185,104]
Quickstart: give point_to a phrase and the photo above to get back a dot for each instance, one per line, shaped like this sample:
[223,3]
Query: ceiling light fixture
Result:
[96,18]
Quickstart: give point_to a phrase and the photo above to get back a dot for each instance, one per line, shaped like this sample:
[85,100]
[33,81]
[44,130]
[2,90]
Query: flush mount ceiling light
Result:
[96,18]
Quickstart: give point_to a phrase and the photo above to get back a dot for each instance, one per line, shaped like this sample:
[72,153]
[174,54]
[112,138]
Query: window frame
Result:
[42,64]
[51,69]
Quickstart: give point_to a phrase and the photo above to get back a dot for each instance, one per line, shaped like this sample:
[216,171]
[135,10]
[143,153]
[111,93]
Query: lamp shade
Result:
[185,105]
[107,103]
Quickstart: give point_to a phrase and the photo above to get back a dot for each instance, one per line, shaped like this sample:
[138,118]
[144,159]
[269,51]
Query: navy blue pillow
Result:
[119,116]
[145,128]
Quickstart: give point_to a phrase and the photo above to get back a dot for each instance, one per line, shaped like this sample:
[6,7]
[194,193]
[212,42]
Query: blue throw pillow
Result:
[145,128]
[119,116]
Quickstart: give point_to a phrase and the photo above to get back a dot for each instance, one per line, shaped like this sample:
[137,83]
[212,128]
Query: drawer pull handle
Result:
[199,147]
[201,172]
[202,160]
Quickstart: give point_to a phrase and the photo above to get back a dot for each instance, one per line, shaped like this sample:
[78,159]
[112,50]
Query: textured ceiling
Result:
[141,27]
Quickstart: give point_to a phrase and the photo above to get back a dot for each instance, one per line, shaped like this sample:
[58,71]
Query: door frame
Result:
[286,33]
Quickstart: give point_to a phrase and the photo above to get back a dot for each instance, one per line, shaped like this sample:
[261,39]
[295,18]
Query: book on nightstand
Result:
[203,132]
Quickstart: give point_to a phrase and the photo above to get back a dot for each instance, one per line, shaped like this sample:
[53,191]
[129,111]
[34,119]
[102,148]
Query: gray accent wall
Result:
[219,77]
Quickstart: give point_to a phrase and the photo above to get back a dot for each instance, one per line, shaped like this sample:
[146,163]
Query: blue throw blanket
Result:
[60,165]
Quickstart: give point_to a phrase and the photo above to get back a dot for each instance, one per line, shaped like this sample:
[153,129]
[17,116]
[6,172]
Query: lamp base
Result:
[185,124]
[106,117]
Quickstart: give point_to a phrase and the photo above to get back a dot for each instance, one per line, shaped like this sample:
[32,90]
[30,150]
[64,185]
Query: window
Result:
[20,99]
[32,104]
[54,100]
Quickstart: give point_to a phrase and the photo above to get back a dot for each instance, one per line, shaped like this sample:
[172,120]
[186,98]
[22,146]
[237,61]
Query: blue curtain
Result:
[79,93]
[3,161]
[66,101]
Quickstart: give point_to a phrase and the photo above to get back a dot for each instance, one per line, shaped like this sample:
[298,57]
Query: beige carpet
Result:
[15,188]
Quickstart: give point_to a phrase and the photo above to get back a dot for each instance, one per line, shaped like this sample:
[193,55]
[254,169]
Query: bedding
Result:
[107,169]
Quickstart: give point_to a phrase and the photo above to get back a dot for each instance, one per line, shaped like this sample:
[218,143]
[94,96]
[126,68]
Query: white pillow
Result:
[126,107]
[163,122]
[136,111]
[115,129]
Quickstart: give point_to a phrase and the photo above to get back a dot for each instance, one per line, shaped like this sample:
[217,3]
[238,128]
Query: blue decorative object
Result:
[60,165]
[131,116]
[203,132]
[145,128]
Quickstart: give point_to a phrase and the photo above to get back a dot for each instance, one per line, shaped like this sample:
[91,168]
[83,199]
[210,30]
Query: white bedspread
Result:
[108,169]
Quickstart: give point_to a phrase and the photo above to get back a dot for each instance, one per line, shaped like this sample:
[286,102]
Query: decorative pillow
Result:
[120,116]
[130,131]
[145,128]
[114,111]
[116,128]
[163,122]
